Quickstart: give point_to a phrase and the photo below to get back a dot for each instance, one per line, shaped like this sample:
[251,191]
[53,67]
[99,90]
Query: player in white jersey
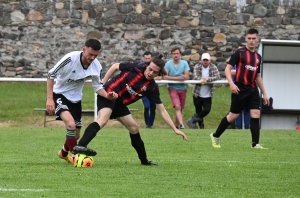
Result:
[65,95]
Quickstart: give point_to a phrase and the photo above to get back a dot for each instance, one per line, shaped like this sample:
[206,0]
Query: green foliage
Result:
[18,100]
[31,168]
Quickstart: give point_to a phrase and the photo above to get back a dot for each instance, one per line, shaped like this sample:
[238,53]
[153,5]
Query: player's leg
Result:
[105,107]
[254,106]
[237,103]
[136,140]
[62,110]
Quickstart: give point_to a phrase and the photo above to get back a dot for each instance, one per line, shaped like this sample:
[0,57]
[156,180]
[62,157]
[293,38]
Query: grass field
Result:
[30,167]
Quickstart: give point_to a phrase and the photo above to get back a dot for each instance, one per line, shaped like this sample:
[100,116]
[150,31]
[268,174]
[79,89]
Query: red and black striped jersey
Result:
[247,66]
[131,84]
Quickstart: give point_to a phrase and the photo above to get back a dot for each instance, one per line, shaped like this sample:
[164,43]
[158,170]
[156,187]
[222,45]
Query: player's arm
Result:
[233,72]
[260,84]
[110,72]
[234,89]
[50,102]
[110,96]
[165,115]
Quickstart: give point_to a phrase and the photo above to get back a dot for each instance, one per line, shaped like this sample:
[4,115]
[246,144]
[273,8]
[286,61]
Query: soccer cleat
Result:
[149,163]
[181,126]
[258,146]
[84,150]
[191,124]
[68,158]
[202,125]
[215,141]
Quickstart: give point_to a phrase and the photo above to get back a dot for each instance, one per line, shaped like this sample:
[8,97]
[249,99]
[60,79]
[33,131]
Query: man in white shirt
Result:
[203,93]
[64,97]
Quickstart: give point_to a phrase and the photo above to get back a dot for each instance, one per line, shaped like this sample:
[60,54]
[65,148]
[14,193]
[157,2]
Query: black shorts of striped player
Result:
[85,112]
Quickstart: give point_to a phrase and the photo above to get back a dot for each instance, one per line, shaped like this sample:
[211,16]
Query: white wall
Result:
[282,83]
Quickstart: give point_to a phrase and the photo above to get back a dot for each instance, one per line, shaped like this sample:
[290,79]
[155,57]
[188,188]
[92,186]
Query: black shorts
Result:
[118,108]
[63,104]
[248,97]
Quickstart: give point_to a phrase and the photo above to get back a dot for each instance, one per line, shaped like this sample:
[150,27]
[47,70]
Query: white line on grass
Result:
[22,189]
[229,161]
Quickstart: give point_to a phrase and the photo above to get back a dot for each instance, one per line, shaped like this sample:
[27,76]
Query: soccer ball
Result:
[83,161]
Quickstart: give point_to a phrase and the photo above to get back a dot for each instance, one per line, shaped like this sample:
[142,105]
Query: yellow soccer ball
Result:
[83,161]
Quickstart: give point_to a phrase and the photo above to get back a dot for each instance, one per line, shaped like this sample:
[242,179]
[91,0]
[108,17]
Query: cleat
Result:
[258,146]
[191,124]
[84,150]
[68,158]
[181,126]
[215,141]
[202,125]
[149,163]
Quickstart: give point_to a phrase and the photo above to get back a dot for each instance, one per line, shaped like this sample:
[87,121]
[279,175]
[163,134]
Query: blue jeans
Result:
[239,121]
[149,111]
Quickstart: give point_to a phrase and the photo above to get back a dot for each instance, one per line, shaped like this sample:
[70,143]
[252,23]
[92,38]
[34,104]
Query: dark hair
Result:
[93,43]
[252,31]
[147,53]
[174,49]
[159,62]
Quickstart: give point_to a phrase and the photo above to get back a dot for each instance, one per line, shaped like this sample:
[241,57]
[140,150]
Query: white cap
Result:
[205,56]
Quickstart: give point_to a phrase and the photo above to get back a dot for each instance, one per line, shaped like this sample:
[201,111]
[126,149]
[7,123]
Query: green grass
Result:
[18,100]
[30,167]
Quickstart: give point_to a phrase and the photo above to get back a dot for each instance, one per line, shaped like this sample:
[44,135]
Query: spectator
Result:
[244,116]
[178,70]
[149,107]
[203,93]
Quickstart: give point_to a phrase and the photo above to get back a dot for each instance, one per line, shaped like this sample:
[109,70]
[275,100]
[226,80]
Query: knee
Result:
[70,124]
[133,128]
[177,107]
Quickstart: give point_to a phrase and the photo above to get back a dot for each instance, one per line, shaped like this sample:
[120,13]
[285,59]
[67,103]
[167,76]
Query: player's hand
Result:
[112,95]
[234,89]
[266,100]
[181,133]
[50,107]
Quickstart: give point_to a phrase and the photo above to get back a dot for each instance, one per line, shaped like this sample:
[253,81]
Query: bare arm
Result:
[261,86]
[110,72]
[165,115]
[50,102]
[234,89]
[110,96]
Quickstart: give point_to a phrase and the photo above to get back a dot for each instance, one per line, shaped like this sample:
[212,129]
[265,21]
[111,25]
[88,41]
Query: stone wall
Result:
[35,34]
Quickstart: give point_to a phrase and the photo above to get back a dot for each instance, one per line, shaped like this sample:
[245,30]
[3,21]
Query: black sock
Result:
[139,146]
[89,133]
[222,127]
[255,132]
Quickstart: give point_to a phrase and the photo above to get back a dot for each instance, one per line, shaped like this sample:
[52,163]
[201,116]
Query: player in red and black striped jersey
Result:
[244,90]
[133,83]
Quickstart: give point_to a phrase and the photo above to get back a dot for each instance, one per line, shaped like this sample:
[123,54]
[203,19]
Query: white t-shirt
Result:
[71,75]
[205,89]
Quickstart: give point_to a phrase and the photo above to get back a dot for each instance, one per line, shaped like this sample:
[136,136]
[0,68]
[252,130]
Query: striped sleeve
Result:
[63,62]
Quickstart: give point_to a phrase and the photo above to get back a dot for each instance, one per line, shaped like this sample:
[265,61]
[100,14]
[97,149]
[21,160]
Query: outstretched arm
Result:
[110,72]
[165,115]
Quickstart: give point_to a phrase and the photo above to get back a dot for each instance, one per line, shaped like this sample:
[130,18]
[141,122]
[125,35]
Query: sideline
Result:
[22,190]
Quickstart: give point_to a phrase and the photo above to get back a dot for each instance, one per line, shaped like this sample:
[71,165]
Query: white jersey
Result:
[71,75]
